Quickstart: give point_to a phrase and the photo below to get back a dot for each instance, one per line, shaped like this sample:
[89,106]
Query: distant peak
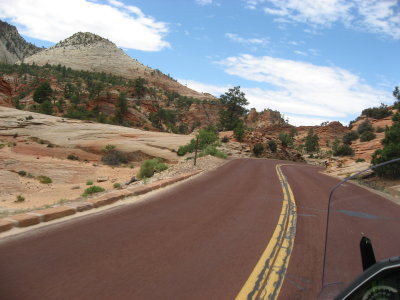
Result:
[81,39]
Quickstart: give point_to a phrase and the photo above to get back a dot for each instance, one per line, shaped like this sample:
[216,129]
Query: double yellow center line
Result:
[267,277]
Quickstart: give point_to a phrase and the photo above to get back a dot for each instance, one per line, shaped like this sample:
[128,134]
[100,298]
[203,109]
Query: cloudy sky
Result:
[313,60]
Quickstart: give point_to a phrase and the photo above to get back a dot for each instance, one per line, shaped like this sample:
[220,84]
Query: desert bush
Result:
[285,139]
[377,112]
[22,173]
[391,150]
[396,117]
[350,136]
[92,190]
[258,149]
[108,148]
[239,131]
[365,126]
[380,129]
[311,143]
[367,136]
[20,198]
[343,150]
[117,185]
[44,179]
[272,146]
[72,157]
[205,138]
[213,151]
[114,158]
[358,160]
[225,139]
[151,166]
[89,182]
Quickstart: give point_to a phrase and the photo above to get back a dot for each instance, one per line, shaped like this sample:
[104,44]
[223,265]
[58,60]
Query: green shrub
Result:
[22,173]
[391,150]
[114,158]
[258,149]
[149,167]
[311,142]
[108,148]
[377,112]
[205,138]
[72,157]
[285,139]
[213,151]
[350,136]
[89,182]
[272,146]
[343,150]
[396,116]
[367,136]
[92,190]
[365,126]
[44,179]
[20,198]
[117,185]
[239,131]
[42,93]
[225,139]
[380,129]
[358,160]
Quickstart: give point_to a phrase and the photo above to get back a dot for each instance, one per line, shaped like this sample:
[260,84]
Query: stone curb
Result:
[49,214]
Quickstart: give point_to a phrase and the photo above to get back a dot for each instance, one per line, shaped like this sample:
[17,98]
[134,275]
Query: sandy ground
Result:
[69,178]
[39,145]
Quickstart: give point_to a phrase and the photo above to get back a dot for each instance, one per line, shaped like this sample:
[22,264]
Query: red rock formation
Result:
[6,92]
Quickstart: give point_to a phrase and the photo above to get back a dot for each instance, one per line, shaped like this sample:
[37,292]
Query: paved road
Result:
[213,237]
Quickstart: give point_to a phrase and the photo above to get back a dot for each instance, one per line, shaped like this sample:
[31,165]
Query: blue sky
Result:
[312,60]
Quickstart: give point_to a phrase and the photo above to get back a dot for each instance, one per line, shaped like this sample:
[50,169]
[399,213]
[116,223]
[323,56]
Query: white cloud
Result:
[247,41]
[215,90]
[53,21]
[378,16]
[304,88]
[306,93]
[204,2]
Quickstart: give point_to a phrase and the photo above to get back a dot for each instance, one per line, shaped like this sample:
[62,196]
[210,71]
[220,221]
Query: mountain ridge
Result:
[90,52]
[13,46]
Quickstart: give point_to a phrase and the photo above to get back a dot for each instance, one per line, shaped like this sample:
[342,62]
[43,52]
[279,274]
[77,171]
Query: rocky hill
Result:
[13,46]
[99,96]
[90,52]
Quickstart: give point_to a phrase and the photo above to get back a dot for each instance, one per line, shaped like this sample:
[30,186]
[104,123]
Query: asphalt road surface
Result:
[223,235]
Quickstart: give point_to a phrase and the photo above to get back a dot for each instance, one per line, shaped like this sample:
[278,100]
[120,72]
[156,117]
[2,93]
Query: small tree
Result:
[391,150]
[122,108]
[239,131]
[139,85]
[311,143]
[42,93]
[285,139]
[234,102]
[46,107]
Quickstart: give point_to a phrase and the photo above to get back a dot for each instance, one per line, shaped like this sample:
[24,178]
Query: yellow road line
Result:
[267,277]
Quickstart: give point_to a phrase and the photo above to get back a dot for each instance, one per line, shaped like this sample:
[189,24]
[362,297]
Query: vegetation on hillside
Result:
[206,142]
[391,148]
[62,91]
